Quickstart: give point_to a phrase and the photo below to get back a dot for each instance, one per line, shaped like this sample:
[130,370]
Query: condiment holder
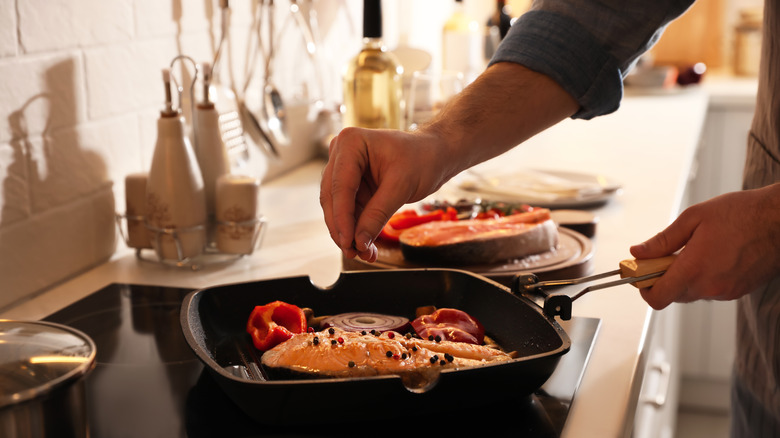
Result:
[183,214]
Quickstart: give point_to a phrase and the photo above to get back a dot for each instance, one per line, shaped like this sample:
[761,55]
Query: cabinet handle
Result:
[665,371]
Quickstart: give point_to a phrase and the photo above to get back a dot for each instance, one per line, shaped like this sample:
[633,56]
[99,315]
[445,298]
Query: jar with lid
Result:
[747,42]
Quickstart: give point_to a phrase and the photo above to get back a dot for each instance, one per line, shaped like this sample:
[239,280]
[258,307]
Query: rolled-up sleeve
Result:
[588,46]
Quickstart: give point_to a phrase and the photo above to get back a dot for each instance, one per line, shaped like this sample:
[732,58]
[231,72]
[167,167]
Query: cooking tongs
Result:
[640,273]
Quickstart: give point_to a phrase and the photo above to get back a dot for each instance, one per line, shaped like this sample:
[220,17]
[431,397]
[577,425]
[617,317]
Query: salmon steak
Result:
[480,241]
[339,353]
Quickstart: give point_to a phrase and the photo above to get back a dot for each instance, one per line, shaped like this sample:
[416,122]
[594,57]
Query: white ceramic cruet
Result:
[210,149]
[175,194]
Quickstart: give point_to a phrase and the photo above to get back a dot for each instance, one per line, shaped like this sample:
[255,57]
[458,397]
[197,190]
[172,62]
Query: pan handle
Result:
[554,304]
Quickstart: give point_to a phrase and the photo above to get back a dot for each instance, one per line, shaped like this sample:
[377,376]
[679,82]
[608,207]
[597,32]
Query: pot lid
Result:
[38,356]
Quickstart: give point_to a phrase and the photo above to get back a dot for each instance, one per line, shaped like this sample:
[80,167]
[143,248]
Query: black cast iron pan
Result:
[213,321]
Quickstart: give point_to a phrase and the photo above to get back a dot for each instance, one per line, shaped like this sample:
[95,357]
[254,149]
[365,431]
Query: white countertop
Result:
[648,146]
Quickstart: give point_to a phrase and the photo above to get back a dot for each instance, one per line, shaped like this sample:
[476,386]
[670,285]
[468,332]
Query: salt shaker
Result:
[135,208]
[175,196]
[237,213]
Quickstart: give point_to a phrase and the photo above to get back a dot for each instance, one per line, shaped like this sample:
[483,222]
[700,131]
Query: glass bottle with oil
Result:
[373,87]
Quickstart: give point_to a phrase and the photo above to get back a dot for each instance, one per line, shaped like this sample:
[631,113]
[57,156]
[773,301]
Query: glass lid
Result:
[37,356]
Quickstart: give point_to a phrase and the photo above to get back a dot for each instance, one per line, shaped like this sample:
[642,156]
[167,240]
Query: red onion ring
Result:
[359,321]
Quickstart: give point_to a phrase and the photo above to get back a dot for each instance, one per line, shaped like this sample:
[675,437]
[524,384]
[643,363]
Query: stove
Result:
[148,383]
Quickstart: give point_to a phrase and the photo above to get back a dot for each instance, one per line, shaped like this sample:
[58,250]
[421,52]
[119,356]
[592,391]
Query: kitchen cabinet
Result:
[708,327]
[656,415]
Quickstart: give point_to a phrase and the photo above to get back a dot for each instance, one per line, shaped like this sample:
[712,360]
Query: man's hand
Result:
[370,175]
[729,245]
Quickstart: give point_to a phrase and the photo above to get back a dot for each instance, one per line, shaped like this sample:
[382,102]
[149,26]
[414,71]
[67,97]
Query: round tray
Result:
[572,258]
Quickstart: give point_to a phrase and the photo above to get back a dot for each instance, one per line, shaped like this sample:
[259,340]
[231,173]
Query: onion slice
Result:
[359,321]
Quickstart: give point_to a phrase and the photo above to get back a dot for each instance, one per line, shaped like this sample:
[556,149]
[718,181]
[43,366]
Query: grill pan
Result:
[213,321]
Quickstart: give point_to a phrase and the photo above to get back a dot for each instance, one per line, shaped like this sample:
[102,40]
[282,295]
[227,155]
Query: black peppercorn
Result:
[333,342]
[434,358]
[351,364]
[448,357]
[443,362]
[438,338]
[430,337]
[315,341]
[389,353]
[331,330]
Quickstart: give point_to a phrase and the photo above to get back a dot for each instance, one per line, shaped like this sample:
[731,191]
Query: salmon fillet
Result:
[480,241]
[357,355]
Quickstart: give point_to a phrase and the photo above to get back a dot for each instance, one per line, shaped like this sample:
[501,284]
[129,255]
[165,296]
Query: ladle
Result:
[272,100]
[258,131]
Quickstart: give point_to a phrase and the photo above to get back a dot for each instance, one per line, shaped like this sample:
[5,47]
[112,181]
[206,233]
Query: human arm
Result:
[564,58]
[372,173]
[728,246]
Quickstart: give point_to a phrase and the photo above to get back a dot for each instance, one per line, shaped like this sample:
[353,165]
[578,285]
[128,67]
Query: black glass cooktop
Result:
[148,383]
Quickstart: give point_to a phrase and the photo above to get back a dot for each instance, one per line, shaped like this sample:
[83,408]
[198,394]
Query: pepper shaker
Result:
[135,208]
[237,213]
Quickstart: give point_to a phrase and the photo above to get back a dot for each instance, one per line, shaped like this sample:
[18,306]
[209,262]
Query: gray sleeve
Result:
[588,46]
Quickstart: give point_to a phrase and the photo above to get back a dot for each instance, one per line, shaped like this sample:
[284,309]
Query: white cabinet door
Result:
[656,414]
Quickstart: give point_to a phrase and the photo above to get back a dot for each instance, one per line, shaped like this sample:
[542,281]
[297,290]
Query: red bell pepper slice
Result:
[389,233]
[410,218]
[274,323]
[451,325]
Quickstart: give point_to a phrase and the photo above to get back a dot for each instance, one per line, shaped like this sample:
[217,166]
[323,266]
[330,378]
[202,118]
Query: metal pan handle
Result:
[554,304]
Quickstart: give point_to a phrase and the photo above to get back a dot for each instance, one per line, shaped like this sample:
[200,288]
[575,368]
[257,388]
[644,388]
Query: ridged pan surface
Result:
[214,319]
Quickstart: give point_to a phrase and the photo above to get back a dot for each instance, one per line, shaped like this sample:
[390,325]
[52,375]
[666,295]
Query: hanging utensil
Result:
[257,129]
[273,106]
[304,26]
[227,104]
[640,273]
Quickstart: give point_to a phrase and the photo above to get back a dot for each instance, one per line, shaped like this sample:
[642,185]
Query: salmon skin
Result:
[339,353]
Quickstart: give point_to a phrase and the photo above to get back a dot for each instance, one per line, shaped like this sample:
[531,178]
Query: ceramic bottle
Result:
[175,194]
[210,150]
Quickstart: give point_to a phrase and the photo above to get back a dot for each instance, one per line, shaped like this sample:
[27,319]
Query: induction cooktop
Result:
[148,383]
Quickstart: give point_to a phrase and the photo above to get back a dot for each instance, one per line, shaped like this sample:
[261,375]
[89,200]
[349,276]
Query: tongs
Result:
[640,273]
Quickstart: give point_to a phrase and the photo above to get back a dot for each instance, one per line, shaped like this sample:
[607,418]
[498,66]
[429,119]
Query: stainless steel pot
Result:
[42,369]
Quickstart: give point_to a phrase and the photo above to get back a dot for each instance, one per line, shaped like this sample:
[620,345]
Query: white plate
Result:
[541,188]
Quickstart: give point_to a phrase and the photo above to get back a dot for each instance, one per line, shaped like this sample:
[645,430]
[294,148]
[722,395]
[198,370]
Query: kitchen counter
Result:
[648,146]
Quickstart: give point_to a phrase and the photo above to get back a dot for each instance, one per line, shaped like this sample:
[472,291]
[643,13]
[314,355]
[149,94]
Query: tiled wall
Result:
[80,90]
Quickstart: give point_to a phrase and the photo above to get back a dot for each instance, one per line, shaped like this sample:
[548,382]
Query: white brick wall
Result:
[80,90]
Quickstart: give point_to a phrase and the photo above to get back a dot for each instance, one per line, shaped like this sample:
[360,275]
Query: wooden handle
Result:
[638,268]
